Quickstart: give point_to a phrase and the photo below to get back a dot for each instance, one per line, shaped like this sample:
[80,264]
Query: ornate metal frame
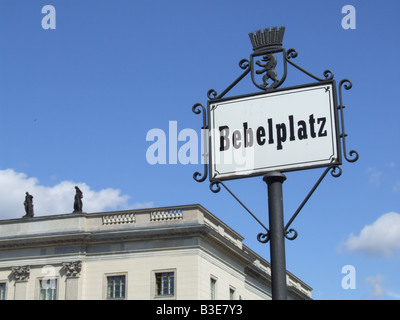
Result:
[267,44]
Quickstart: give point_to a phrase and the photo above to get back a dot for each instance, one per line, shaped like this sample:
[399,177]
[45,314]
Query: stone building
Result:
[176,253]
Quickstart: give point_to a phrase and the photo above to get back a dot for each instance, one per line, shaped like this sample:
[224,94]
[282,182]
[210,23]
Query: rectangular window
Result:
[48,289]
[213,287]
[116,287]
[3,291]
[165,283]
[231,293]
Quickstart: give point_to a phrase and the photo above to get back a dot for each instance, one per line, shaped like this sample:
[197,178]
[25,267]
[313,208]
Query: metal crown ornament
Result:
[267,39]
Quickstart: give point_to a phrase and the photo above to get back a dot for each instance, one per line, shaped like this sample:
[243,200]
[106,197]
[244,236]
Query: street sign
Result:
[274,131]
[284,130]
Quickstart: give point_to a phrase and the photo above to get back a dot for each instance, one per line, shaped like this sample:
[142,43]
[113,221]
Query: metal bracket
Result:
[218,189]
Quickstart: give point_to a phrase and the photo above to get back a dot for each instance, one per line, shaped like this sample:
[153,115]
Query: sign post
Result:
[274,181]
[271,132]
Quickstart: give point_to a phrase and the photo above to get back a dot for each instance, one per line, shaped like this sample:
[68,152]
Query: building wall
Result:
[140,269]
[193,269]
[191,242]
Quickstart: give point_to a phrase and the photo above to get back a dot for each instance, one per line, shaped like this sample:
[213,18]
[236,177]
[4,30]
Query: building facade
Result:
[178,253]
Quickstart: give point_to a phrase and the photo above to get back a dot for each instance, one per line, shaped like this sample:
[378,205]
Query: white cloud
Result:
[375,176]
[396,186]
[376,282]
[393,295]
[57,199]
[378,287]
[382,237]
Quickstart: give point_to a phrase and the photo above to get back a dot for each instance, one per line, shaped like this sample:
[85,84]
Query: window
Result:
[165,283]
[116,287]
[231,293]
[213,287]
[3,291]
[48,289]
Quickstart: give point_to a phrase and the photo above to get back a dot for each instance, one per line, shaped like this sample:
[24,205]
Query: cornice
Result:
[104,236]
[48,240]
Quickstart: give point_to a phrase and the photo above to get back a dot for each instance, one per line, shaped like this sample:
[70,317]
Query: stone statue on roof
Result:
[78,200]
[28,204]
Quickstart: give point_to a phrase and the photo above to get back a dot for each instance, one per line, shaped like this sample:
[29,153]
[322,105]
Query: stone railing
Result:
[119,218]
[165,215]
[155,216]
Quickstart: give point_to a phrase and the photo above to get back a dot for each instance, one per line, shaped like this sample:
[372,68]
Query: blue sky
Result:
[77,101]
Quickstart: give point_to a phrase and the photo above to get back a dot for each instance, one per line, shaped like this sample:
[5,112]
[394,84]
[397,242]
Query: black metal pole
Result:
[276,234]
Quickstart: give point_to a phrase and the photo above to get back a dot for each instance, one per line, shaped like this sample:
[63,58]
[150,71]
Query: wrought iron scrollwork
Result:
[336,172]
[215,187]
[292,237]
[328,74]
[244,64]
[197,109]
[292,53]
[263,237]
[346,83]
[212,94]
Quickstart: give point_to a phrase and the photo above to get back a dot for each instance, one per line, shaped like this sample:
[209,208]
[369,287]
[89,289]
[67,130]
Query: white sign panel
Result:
[285,130]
